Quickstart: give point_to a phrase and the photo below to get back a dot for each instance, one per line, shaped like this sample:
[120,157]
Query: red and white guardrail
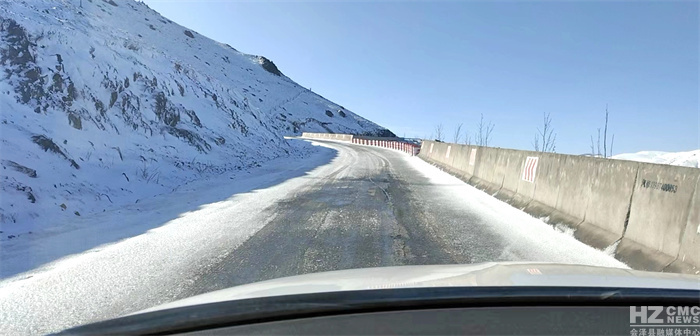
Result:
[403,146]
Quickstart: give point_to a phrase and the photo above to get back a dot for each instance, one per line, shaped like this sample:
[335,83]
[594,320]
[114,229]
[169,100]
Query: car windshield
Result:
[156,150]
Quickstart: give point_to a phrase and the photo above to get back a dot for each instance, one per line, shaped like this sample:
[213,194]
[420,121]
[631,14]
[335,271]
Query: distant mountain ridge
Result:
[111,102]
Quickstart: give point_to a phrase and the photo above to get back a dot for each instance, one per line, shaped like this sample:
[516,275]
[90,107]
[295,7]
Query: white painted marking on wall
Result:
[472,157]
[431,148]
[530,169]
[447,154]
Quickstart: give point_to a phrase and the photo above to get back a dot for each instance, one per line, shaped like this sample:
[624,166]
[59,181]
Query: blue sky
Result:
[415,64]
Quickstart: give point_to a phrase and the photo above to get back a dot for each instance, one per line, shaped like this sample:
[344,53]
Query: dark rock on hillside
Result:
[49,146]
[384,133]
[20,168]
[269,66]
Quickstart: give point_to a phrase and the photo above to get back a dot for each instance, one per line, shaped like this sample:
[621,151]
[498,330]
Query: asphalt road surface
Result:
[367,207]
[373,209]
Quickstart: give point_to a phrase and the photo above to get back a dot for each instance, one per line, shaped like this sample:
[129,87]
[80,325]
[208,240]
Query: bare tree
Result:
[467,138]
[439,134]
[458,133]
[595,150]
[605,133]
[483,135]
[612,142]
[545,139]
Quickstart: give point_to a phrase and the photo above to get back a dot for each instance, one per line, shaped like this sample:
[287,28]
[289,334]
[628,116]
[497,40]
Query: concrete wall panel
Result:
[546,186]
[513,162]
[424,150]
[470,163]
[688,260]
[611,195]
[659,215]
[439,151]
[575,174]
[487,178]
[460,158]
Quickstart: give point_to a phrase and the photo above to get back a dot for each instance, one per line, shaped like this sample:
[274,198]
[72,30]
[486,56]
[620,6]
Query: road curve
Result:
[362,207]
[375,208]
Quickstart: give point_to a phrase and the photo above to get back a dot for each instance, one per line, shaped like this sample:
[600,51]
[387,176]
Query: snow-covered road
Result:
[347,206]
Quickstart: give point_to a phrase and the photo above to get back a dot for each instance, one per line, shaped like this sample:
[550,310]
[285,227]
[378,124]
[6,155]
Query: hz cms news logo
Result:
[665,320]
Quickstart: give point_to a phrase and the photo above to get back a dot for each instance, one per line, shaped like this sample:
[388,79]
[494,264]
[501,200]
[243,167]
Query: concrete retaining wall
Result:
[438,153]
[512,164]
[460,162]
[689,252]
[575,176]
[660,210]
[604,222]
[649,213]
[485,176]
[546,185]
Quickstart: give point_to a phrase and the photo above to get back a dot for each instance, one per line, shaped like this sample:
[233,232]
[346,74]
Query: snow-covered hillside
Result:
[109,102]
[687,159]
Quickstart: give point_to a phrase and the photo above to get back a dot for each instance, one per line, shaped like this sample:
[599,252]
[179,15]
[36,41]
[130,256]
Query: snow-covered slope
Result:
[109,102]
[687,159]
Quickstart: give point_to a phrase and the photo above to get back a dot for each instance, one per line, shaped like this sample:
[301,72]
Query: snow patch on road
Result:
[520,229]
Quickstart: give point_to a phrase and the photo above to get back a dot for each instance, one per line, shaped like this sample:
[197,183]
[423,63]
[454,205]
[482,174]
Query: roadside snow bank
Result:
[44,247]
[686,159]
[520,230]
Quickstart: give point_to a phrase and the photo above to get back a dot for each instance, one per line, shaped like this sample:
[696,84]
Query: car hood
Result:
[486,274]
